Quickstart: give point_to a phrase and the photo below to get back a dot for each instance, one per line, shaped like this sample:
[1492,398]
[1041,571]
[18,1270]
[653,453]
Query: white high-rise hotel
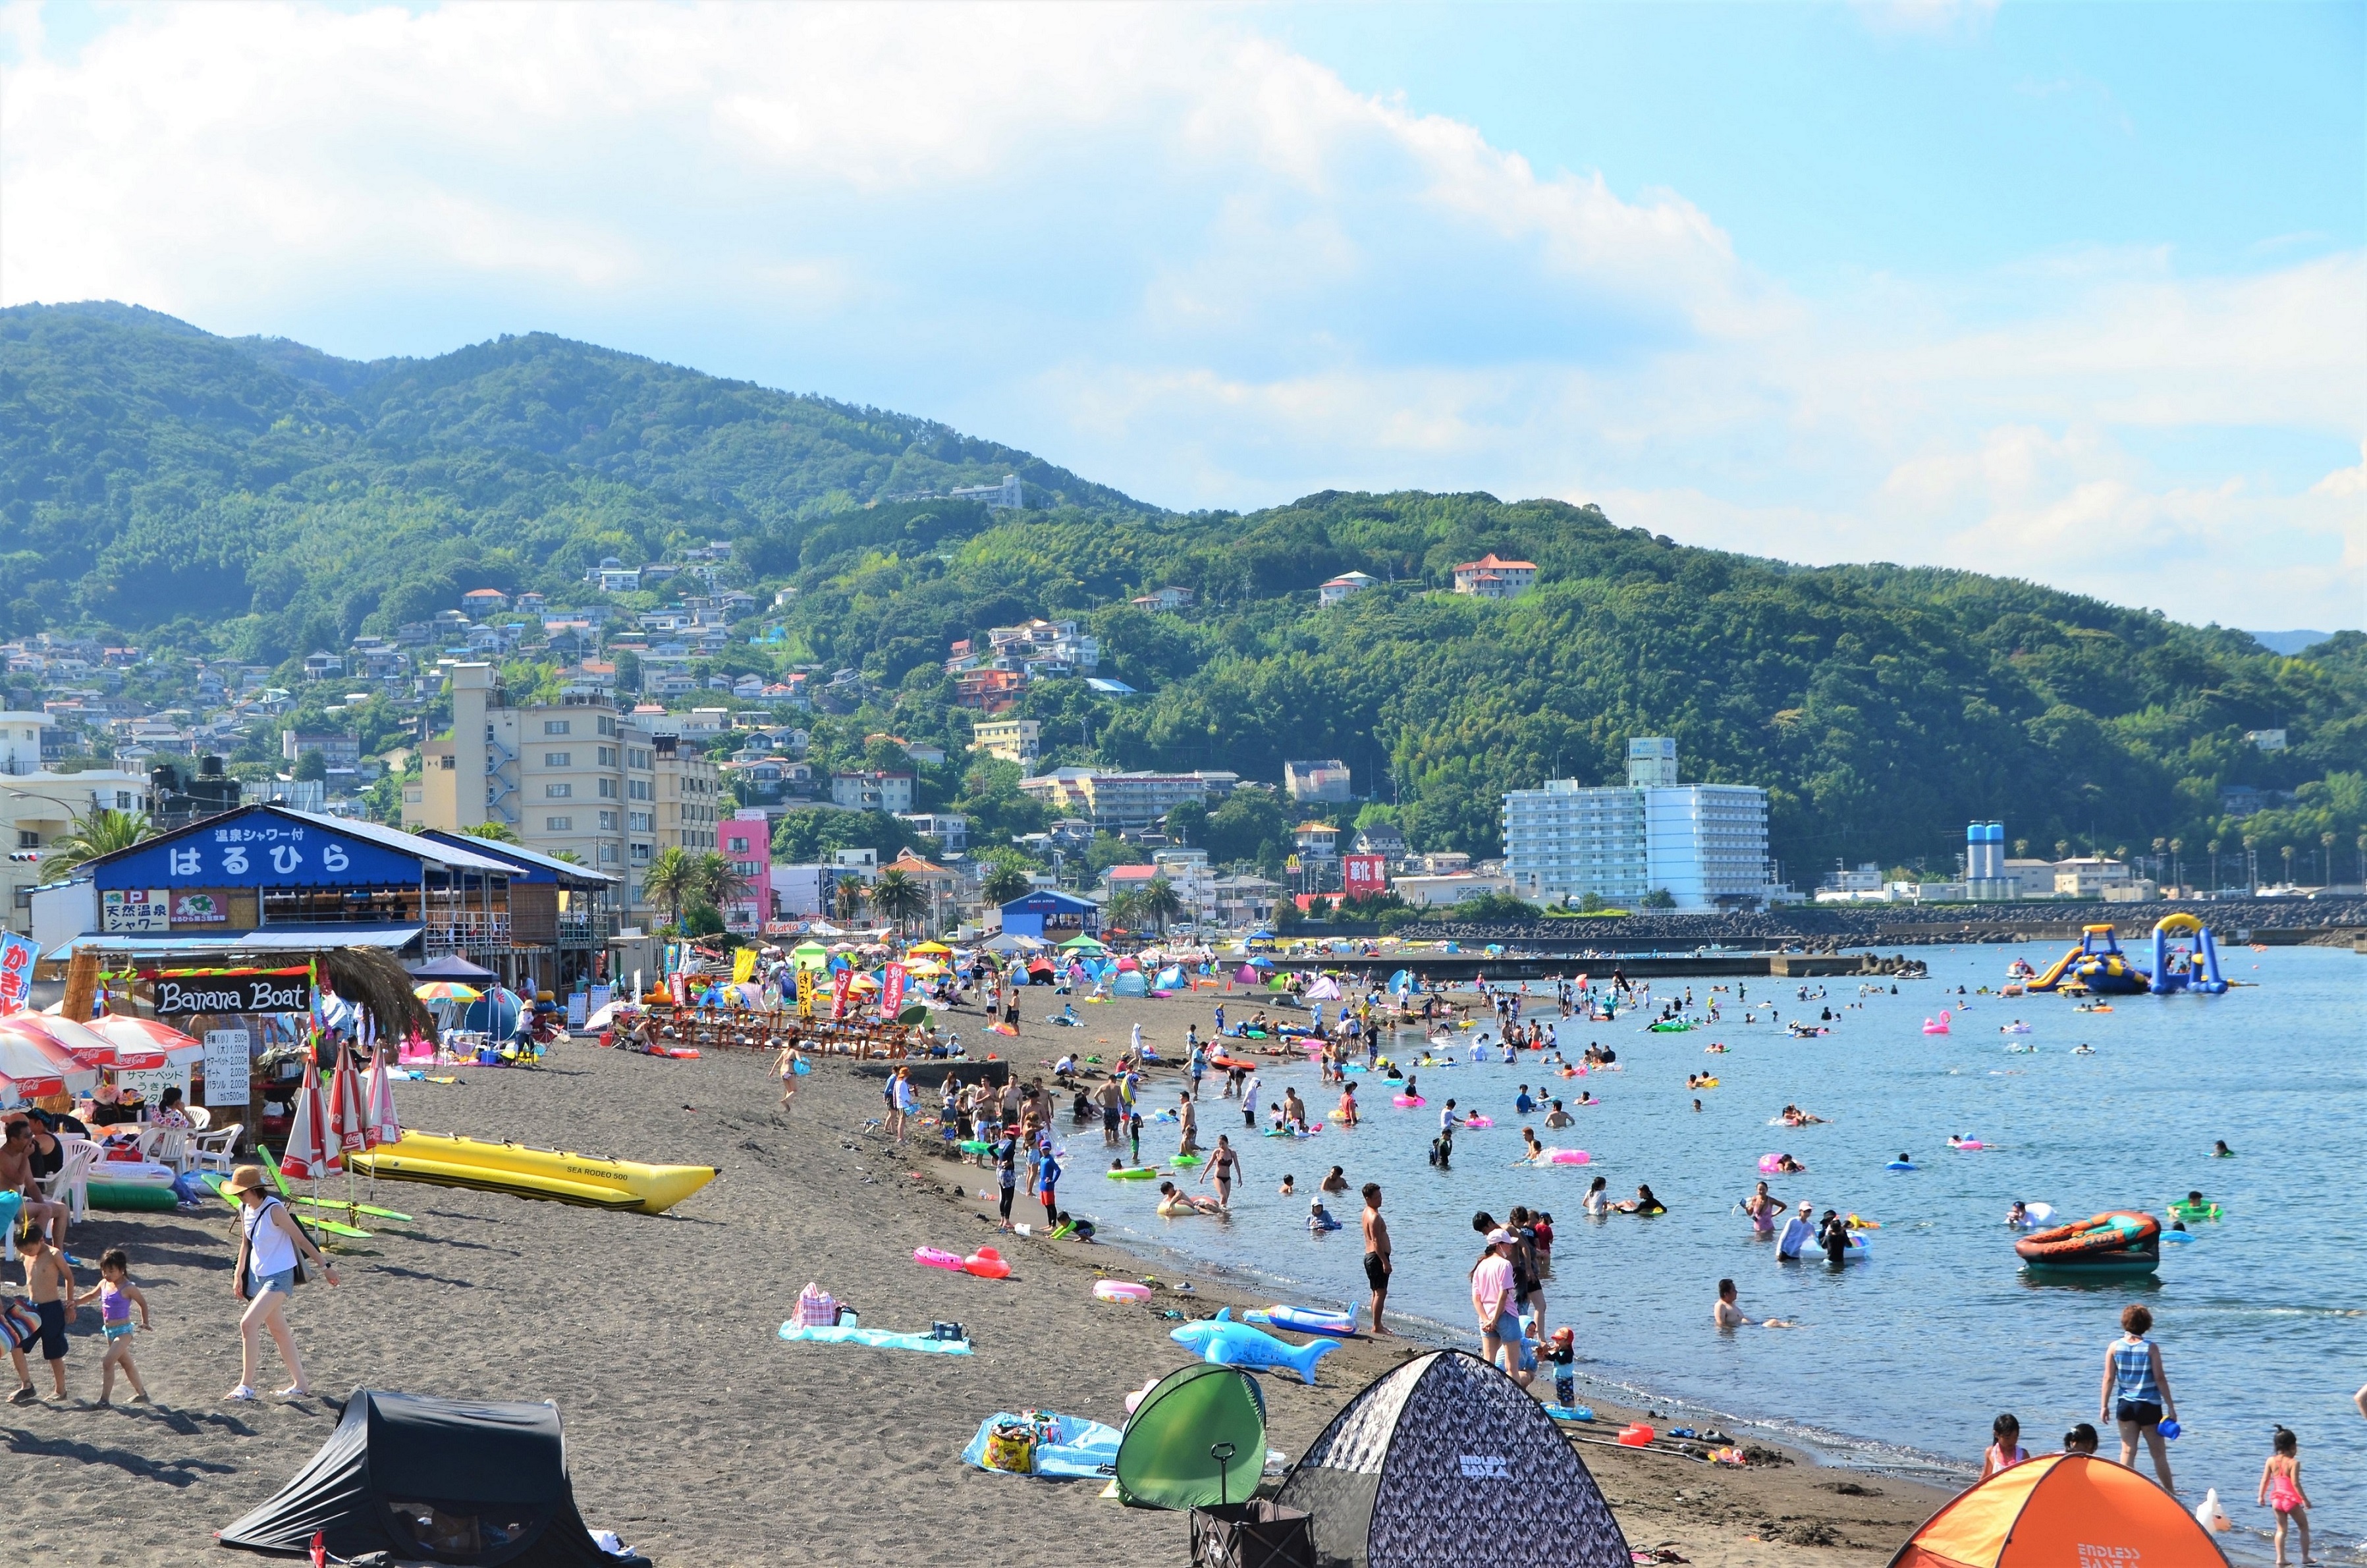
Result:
[1706,844]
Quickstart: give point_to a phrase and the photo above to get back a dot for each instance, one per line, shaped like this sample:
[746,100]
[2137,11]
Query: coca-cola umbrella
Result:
[147,1033]
[378,1119]
[310,1153]
[87,1045]
[38,1065]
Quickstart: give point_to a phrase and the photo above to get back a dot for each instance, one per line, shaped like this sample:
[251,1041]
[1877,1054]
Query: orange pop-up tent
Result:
[2061,1510]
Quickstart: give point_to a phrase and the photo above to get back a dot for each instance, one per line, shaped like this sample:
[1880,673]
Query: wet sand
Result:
[694,1432]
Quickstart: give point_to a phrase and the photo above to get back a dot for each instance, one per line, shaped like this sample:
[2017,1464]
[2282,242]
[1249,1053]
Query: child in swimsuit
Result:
[117,1296]
[2005,1448]
[2281,1490]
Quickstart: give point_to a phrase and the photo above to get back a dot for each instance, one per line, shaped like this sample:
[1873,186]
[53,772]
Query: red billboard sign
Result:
[1368,876]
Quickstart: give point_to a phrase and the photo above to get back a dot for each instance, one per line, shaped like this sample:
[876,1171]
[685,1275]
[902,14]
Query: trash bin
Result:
[1259,1534]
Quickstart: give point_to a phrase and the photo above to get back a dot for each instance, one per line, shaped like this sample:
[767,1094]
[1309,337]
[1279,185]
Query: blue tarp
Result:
[1085,1451]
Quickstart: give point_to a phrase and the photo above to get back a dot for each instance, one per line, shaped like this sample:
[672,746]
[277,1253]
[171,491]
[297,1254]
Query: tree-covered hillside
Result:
[260,498]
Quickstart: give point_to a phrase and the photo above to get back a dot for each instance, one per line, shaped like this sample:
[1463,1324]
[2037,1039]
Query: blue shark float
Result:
[2097,964]
[1229,1344]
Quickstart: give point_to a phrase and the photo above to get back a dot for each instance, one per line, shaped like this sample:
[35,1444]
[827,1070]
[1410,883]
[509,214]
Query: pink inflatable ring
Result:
[1121,1290]
[933,1258]
[1566,1157]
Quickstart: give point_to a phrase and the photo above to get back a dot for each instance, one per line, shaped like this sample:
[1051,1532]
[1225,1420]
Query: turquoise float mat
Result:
[878,1339]
[1082,1450]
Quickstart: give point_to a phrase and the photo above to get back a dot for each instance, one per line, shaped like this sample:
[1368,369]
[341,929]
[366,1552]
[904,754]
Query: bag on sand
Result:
[1012,1447]
[816,1308]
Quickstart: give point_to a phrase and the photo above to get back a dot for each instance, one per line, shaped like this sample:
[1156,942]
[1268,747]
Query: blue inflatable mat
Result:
[878,1339]
[1087,1450]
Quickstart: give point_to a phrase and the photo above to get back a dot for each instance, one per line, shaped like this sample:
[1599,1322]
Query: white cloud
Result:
[1173,254]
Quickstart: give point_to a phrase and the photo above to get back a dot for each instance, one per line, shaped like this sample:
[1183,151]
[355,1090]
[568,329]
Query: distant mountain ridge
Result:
[257,498]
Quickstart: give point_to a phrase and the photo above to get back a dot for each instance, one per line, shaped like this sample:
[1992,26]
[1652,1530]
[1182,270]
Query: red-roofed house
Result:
[1491,577]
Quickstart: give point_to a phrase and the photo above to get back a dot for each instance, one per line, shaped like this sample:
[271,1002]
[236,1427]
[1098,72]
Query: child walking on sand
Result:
[2281,1490]
[51,1283]
[117,1296]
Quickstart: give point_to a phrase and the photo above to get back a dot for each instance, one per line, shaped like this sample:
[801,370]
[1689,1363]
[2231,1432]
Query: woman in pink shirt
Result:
[1491,1295]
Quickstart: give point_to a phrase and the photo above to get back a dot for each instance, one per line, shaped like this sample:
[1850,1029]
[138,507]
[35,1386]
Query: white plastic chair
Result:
[200,1117]
[167,1146]
[71,1184]
[215,1149]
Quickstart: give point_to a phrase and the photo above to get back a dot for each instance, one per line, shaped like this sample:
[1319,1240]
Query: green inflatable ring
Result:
[132,1195]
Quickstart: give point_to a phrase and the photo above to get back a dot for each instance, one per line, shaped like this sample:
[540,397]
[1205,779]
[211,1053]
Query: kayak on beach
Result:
[589,1180]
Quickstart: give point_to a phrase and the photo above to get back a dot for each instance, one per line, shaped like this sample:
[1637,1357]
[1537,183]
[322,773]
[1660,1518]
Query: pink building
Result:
[745,841]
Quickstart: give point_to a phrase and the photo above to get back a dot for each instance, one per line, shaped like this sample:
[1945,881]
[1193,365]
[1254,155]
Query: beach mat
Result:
[878,1339]
[1079,1449]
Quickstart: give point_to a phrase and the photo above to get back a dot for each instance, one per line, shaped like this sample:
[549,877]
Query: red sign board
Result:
[1368,876]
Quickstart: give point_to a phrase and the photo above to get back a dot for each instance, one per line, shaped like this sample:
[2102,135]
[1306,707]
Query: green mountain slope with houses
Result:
[228,507]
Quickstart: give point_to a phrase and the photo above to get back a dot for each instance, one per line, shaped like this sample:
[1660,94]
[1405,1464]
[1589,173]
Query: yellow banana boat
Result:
[595,1182]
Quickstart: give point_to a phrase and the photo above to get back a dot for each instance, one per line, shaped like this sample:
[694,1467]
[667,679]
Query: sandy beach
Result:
[693,1431]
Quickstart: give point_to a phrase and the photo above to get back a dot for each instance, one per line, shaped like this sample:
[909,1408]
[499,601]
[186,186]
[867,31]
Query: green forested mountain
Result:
[261,498]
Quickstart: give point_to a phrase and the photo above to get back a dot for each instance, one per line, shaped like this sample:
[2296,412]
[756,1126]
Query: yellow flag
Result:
[744,965]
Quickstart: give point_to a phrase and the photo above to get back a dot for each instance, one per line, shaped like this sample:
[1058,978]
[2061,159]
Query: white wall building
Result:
[1705,844]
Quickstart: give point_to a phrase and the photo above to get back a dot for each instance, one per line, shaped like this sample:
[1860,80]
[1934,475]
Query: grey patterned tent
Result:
[1444,1463]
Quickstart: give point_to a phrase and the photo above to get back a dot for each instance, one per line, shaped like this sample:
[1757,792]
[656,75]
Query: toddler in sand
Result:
[117,1296]
[51,1283]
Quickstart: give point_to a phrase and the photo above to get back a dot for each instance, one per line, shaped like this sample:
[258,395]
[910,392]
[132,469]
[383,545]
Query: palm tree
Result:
[495,832]
[2176,866]
[1122,910]
[848,895]
[898,897]
[2325,859]
[1159,902]
[714,880]
[102,832]
[1003,884]
[2213,847]
[671,878]
[2286,850]
[2062,849]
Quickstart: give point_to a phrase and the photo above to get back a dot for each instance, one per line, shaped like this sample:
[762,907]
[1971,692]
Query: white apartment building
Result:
[575,779]
[891,792]
[1115,801]
[38,808]
[1706,844]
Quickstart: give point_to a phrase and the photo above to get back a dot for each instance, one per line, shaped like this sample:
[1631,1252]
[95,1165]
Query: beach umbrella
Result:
[147,1033]
[379,1123]
[934,949]
[38,1066]
[88,1046]
[1260,962]
[446,991]
[309,1153]
[347,1129]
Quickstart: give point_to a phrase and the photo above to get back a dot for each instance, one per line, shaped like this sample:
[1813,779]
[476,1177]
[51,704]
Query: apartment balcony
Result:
[586,930]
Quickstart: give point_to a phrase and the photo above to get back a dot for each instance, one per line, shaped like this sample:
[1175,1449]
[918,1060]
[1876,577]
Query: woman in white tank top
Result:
[270,1243]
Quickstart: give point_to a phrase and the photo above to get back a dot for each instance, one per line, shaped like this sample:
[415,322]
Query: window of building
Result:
[559,824]
[640,854]
[556,726]
[607,854]
[558,790]
[607,726]
[608,756]
[27,839]
[559,759]
[609,789]
[637,789]
[641,821]
[607,821]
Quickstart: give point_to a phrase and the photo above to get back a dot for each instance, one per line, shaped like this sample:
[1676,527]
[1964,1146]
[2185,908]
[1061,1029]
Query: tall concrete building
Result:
[1706,845]
[576,779]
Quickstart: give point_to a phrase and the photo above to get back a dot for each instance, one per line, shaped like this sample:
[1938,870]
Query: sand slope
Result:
[693,1431]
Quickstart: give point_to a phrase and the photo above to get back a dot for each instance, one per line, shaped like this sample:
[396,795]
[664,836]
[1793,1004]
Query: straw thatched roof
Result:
[373,978]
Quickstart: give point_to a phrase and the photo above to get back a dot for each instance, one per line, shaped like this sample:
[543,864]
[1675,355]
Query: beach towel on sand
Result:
[1076,1449]
[879,1339]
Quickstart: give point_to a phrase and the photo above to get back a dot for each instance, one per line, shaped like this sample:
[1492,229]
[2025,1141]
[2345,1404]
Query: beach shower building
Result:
[1706,844]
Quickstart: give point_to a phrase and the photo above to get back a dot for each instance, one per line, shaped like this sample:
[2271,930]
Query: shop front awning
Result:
[160,945]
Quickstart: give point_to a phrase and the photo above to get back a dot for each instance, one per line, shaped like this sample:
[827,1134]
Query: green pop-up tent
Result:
[1167,1459]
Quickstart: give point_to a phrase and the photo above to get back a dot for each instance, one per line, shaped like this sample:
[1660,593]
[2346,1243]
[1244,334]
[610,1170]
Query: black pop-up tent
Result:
[1447,1462]
[455,1481]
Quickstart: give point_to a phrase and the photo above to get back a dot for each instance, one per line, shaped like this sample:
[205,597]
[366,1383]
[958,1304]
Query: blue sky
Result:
[2073,292]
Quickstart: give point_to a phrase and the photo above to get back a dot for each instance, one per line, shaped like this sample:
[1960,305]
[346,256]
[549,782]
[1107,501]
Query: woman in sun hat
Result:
[271,1247]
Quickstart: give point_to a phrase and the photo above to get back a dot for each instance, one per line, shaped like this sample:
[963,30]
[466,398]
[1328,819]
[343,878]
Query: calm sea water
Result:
[1905,1359]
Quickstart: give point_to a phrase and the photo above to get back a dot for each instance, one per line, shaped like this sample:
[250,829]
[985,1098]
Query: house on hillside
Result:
[1347,585]
[1491,577]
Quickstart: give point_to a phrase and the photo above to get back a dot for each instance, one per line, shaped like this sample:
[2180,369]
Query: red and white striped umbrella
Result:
[348,1127]
[38,1064]
[379,1121]
[87,1045]
[309,1154]
[148,1034]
